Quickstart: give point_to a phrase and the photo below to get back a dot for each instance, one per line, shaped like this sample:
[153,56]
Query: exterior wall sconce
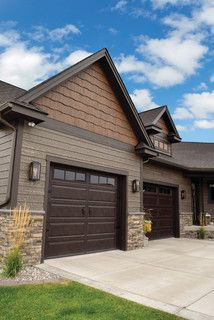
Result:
[31,124]
[34,171]
[183,194]
[135,185]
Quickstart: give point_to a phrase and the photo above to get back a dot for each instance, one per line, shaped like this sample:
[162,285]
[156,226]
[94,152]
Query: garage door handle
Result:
[83,211]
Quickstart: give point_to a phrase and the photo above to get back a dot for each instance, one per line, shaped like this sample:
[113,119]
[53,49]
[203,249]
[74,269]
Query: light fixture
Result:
[183,194]
[135,185]
[34,171]
[31,124]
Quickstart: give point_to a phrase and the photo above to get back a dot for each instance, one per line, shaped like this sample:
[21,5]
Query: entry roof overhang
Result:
[145,151]
[13,110]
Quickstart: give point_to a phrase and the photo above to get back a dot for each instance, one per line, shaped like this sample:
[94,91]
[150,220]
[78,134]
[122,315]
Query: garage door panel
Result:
[82,215]
[68,192]
[150,201]
[165,202]
[63,210]
[65,248]
[101,228]
[162,203]
[101,211]
[102,195]
[58,228]
[103,244]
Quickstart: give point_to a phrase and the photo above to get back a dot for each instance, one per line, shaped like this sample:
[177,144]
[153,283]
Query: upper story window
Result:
[211,192]
[162,145]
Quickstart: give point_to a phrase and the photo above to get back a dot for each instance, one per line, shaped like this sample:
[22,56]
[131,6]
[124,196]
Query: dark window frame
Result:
[153,185]
[210,195]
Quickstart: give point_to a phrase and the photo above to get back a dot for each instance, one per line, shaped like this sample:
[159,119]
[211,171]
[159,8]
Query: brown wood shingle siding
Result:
[38,143]
[88,101]
[161,123]
[6,142]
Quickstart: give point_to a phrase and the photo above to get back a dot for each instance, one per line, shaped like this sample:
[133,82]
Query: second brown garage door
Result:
[162,200]
[82,212]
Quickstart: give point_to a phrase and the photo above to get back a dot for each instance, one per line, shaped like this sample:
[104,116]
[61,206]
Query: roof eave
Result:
[11,111]
[182,167]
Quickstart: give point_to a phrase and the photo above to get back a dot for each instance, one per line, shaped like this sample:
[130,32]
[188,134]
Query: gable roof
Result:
[118,86]
[190,156]
[152,116]
[149,116]
[9,92]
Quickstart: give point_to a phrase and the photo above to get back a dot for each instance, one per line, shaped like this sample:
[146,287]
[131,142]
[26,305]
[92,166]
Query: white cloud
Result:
[182,113]
[143,100]
[170,60]
[58,34]
[204,124]
[202,86]
[8,38]
[181,127]
[181,53]
[25,66]
[113,31]
[160,75]
[205,15]
[201,105]
[120,5]
[159,4]
[76,56]
[212,78]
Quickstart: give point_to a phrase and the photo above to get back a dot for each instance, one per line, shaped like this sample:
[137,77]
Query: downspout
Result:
[8,197]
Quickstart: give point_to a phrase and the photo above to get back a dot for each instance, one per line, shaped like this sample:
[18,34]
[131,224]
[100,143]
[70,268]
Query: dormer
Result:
[161,128]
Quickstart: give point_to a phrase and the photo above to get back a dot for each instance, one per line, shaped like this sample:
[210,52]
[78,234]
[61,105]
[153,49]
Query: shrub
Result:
[201,233]
[21,223]
[20,226]
[13,263]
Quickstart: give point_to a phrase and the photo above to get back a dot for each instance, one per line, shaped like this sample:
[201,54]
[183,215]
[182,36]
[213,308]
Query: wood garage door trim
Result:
[122,194]
[175,190]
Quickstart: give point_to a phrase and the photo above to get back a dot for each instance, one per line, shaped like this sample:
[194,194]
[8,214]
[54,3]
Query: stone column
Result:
[135,230]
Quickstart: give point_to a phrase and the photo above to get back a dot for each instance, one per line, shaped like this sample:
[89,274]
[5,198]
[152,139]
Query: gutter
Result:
[8,196]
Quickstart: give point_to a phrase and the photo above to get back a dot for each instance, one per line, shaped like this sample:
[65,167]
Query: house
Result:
[179,182]
[76,151]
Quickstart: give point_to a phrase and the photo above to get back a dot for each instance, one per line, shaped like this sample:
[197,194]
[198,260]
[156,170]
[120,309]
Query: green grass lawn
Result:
[70,300]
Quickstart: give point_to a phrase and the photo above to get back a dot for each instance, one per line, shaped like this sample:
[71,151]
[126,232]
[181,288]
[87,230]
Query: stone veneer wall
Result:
[190,232]
[135,231]
[32,250]
[186,219]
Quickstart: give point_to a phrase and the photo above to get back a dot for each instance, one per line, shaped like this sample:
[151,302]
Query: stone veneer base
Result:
[32,249]
[190,232]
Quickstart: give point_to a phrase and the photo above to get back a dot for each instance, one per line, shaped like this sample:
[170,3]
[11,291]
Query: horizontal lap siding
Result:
[38,143]
[160,173]
[6,142]
[88,101]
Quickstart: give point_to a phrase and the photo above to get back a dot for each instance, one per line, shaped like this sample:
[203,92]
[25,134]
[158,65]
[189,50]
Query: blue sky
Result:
[163,50]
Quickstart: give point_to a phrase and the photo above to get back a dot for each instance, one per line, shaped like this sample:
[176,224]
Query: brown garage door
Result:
[82,212]
[162,202]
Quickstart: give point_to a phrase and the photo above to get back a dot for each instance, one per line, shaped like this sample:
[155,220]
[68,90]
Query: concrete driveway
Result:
[174,275]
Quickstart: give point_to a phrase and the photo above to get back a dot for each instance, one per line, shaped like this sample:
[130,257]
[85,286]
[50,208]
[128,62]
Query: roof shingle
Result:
[9,92]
